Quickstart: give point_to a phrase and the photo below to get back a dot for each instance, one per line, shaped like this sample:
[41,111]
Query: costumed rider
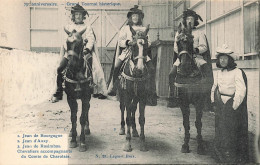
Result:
[78,15]
[125,41]
[200,46]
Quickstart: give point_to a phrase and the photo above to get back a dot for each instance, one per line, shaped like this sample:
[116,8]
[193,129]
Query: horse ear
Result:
[68,32]
[180,28]
[82,31]
[147,29]
[189,28]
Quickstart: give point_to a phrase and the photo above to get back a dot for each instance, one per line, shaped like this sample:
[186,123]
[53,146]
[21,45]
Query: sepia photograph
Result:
[129,82]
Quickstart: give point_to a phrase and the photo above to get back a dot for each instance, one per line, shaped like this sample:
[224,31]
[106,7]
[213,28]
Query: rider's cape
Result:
[98,73]
[116,54]
[207,57]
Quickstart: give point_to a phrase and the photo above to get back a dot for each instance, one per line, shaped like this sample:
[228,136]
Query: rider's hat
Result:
[79,8]
[224,50]
[135,10]
[192,13]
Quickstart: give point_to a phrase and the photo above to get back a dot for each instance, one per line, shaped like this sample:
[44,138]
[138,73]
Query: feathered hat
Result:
[135,10]
[79,8]
[192,13]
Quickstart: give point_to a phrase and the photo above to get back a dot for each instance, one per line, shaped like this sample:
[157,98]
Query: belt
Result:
[227,95]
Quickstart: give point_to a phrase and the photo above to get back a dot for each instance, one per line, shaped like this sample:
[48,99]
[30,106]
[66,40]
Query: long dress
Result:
[231,126]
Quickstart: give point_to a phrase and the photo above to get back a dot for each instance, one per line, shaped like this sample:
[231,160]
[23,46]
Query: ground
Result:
[163,130]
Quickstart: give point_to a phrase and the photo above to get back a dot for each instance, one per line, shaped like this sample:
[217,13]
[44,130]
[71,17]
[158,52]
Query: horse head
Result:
[139,50]
[185,49]
[75,46]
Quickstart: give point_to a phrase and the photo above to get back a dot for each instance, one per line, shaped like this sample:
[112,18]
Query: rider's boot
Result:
[59,92]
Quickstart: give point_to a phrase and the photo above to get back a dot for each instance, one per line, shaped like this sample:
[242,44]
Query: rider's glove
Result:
[130,43]
[196,50]
[86,51]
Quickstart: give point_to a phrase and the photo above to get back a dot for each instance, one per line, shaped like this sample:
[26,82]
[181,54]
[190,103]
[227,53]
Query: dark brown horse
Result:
[133,88]
[191,87]
[78,86]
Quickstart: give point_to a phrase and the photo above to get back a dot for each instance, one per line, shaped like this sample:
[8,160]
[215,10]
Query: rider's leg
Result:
[115,77]
[59,92]
[172,75]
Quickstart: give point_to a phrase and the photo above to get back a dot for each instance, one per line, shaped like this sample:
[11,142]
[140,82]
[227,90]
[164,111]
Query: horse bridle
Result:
[74,81]
[185,52]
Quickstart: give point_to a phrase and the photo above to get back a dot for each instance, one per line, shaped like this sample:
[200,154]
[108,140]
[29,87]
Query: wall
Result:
[159,14]
[14,24]
[27,78]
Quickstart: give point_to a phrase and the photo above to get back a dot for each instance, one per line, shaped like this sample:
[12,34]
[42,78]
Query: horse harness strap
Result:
[184,51]
[142,57]
[186,85]
[132,78]
[75,82]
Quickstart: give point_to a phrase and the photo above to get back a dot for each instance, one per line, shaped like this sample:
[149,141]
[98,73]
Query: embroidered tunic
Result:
[199,41]
[126,34]
[88,34]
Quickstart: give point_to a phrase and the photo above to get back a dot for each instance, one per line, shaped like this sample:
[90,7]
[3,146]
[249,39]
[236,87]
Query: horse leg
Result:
[87,129]
[127,146]
[142,104]
[122,108]
[83,120]
[133,109]
[186,123]
[198,124]
[73,132]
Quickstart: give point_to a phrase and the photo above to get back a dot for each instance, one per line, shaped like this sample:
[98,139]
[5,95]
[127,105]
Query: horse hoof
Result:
[87,131]
[122,131]
[73,144]
[185,148]
[127,148]
[135,133]
[82,147]
[201,150]
[70,134]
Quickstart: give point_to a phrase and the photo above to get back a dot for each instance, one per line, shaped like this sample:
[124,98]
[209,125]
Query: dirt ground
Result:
[163,130]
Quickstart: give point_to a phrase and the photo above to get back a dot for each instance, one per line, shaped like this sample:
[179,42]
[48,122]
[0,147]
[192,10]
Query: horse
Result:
[191,86]
[133,88]
[77,77]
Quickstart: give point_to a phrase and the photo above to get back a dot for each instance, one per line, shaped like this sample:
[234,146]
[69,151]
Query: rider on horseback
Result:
[200,46]
[78,15]
[125,41]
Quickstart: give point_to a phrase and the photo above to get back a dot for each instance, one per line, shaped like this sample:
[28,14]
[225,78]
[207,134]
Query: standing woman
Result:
[229,96]
[125,41]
